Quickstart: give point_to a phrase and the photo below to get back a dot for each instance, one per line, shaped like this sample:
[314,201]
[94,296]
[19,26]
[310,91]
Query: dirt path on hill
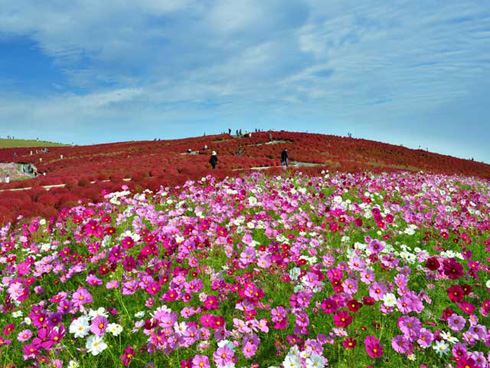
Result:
[291,164]
[48,187]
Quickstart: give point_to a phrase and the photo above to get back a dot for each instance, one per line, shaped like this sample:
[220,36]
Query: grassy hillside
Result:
[13,143]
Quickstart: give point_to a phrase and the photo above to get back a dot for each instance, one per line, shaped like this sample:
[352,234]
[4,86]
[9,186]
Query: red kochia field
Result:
[86,172]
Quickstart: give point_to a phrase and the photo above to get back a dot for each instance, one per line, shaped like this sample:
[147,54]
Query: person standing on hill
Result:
[285,157]
[213,160]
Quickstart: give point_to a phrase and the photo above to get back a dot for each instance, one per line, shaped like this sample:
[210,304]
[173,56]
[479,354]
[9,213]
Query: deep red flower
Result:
[432,263]
[217,322]
[349,343]
[453,269]
[467,289]
[8,329]
[455,293]
[367,300]
[354,305]
[446,313]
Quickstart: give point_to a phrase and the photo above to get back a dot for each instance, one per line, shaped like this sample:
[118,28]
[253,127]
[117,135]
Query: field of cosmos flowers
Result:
[337,269]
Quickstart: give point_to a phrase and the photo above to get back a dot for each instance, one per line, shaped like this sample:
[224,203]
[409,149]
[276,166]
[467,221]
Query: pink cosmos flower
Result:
[402,345]
[425,338]
[81,297]
[350,286]
[200,361]
[93,280]
[112,284]
[223,356]
[409,302]
[377,290]
[99,325]
[459,351]
[456,322]
[410,326]
[24,335]
[367,277]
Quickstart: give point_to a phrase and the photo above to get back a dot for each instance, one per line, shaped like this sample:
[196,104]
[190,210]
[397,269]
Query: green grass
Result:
[15,143]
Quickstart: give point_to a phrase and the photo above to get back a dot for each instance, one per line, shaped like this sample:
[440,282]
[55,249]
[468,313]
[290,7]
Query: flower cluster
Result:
[256,271]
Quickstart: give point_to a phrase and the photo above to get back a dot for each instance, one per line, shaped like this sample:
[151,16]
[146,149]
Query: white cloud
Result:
[360,63]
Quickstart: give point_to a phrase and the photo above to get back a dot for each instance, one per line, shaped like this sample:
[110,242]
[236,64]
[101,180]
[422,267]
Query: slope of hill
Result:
[83,172]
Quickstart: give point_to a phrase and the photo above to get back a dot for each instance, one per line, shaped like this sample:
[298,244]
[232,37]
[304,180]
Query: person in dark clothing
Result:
[213,160]
[284,157]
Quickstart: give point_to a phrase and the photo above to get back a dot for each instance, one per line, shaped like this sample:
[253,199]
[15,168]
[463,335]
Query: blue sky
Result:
[406,72]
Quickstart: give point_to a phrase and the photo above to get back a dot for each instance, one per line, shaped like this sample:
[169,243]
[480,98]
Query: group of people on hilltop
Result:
[239,133]
[213,160]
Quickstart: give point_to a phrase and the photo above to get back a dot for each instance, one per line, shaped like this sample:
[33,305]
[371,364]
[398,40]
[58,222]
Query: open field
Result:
[14,143]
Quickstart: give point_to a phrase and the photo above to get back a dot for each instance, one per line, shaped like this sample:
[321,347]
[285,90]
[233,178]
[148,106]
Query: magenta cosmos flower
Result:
[373,347]
[342,319]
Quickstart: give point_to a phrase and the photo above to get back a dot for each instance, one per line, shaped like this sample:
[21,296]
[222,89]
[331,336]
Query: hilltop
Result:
[76,173]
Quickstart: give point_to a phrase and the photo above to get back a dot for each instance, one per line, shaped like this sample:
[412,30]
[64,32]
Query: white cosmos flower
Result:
[180,328]
[294,273]
[114,329]
[448,337]
[389,299]
[292,360]
[80,327]
[17,314]
[99,312]
[441,348]
[315,361]
[73,364]
[140,314]
[252,201]
[95,345]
